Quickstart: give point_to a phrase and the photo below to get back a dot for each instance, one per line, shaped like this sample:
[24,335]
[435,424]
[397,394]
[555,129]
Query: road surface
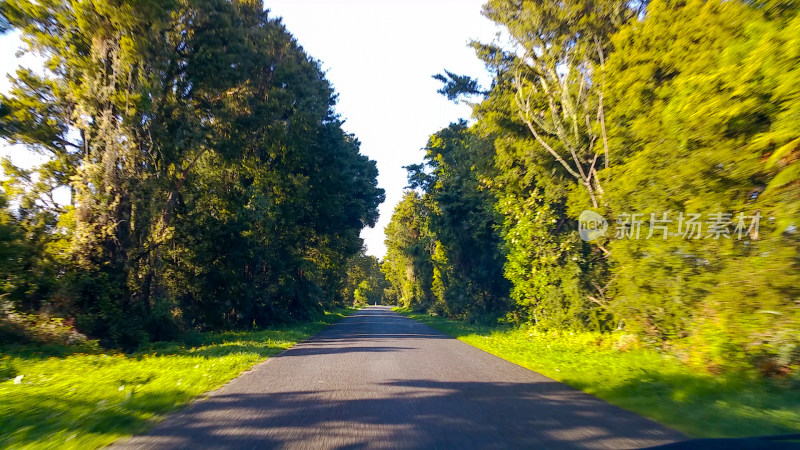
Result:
[379,380]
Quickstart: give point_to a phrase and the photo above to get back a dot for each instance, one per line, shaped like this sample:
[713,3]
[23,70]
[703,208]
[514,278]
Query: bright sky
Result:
[380,56]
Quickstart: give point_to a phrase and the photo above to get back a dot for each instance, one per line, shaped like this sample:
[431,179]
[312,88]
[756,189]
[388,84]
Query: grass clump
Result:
[52,397]
[654,384]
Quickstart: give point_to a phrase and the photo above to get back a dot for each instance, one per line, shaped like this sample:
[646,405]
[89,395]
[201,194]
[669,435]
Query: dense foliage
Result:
[211,183]
[707,121]
[444,249]
[365,284]
[640,111]
[408,264]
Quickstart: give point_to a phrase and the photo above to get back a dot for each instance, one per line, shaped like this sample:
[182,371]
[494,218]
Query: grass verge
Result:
[645,381]
[89,400]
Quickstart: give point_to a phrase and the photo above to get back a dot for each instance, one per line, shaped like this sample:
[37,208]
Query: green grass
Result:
[90,400]
[645,381]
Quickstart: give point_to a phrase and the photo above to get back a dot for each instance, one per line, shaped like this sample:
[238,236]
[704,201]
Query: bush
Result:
[7,368]
[20,328]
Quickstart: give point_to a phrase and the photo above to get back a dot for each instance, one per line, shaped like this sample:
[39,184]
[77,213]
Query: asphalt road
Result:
[379,380]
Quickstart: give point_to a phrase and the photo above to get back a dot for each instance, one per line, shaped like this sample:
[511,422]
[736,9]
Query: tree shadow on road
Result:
[319,350]
[412,413]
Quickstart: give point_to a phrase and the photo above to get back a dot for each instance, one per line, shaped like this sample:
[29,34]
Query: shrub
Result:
[21,328]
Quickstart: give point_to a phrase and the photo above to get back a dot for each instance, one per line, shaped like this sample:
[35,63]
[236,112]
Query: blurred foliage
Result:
[67,397]
[21,328]
[707,119]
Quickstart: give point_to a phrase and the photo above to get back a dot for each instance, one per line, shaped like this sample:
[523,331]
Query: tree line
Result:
[211,185]
[679,117]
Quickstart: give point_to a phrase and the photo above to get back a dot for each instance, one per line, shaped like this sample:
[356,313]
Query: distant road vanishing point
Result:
[379,380]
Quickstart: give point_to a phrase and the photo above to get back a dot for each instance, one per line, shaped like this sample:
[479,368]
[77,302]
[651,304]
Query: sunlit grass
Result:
[89,400]
[651,383]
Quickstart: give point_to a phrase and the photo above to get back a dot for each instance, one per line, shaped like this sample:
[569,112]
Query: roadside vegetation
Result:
[195,172]
[675,121]
[616,368]
[80,396]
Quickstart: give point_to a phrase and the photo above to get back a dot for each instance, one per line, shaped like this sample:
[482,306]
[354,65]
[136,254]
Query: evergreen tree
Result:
[467,259]
[409,247]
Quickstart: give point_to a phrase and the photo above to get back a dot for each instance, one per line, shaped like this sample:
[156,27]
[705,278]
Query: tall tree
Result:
[409,246]
[365,284]
[545,113]
[468,258]
[560,50]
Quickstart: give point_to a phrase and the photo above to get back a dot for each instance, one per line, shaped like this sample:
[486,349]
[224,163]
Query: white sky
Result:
[379,56]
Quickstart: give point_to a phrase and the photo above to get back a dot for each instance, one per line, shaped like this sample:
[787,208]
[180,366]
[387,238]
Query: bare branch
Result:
[547,147]
[596,300]
[601,115]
